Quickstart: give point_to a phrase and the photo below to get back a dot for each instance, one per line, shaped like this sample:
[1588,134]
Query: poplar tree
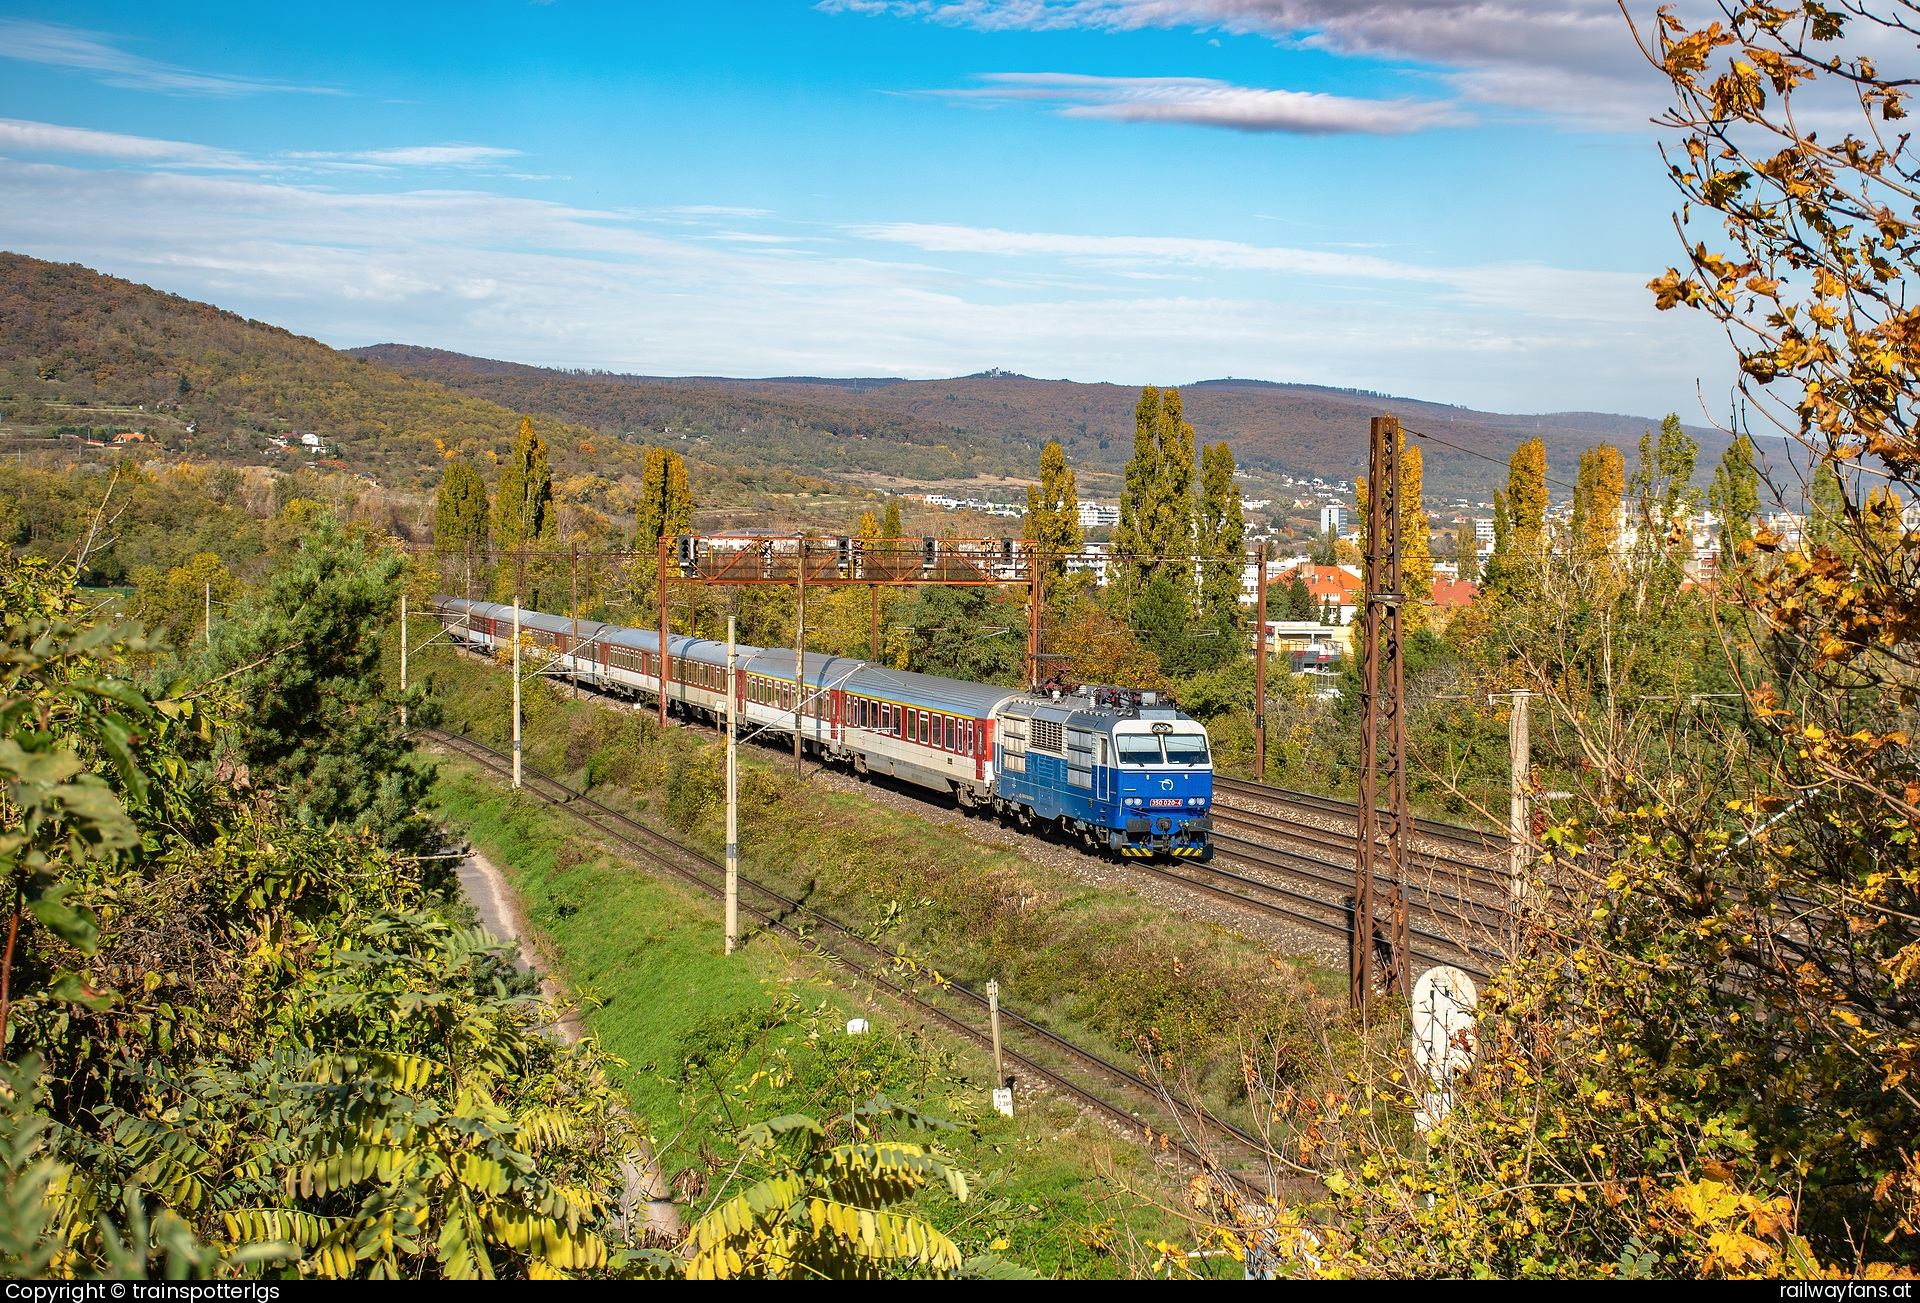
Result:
[665,508]
[523,507]
[1527,495]
[1053,513]
[1156,507]
[1597,494]
[890,525]
[1223,539]
[460,514]
[1735,497]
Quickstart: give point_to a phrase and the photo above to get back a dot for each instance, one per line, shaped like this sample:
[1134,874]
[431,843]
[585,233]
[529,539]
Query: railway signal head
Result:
[928,551]
[684,550]
[843,551]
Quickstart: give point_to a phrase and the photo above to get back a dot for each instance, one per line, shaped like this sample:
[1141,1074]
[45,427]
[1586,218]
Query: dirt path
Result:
[644,1197]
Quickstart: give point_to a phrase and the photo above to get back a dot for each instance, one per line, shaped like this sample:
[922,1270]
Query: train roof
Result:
[865,678]
[1081,712]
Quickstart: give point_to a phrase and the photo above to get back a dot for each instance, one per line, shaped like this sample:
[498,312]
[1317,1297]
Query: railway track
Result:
[1460,836]
[856,954]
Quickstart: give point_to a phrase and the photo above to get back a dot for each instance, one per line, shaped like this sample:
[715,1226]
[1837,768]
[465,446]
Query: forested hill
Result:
[77,346]
[826,427]
[71,338]
[1294,429]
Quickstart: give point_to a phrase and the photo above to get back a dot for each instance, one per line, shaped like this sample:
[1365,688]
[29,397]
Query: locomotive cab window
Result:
[1136,749]
[1186,749]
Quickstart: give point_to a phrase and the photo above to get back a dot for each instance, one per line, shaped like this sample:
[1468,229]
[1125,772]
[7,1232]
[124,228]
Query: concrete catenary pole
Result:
[516,690]
[1519,827]
[799,645]
[1260,668]
[665,661]
[209,629]
[733,795]
[403,662]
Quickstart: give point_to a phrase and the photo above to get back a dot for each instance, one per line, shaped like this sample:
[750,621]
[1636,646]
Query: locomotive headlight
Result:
[1196,800]
[1131,800]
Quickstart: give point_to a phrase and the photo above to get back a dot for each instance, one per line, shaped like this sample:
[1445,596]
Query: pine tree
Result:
[523,511]
[1299,600]
[665,509]
[460,513]
[1053,514]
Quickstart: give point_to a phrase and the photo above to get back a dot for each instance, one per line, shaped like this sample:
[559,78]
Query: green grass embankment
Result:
[711,1042]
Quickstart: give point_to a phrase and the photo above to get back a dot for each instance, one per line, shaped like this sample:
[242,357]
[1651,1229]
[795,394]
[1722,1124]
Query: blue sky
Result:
[1457,200]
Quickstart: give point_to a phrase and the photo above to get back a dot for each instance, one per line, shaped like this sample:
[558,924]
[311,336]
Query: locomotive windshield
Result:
[1186,749]
[1145,749]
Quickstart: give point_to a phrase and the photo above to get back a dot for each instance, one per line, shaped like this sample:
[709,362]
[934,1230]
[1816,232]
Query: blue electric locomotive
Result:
[1123,770]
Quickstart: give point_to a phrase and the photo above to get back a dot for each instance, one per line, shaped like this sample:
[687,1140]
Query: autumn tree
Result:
[1598,490]
[890,523]
[1527,495]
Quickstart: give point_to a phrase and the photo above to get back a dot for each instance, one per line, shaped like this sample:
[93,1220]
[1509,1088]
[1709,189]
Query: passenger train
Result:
[1120,769]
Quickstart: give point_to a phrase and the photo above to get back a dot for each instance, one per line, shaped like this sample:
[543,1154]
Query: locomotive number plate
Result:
[1161,802]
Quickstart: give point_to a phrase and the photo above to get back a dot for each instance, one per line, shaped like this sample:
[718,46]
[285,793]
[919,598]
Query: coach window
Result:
[924,721]
[953,734]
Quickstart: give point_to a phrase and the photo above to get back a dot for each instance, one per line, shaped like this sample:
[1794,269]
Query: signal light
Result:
[683,546]
[843,550]
[928,550]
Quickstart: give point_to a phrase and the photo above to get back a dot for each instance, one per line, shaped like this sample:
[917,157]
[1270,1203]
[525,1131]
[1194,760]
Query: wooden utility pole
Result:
[799,647]
[733,796]
[516,690]
[573,650]
[1260,668]
[1381,837]
[1519,825]
[662,666]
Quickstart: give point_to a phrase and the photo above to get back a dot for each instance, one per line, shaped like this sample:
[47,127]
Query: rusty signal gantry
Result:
[1380,841]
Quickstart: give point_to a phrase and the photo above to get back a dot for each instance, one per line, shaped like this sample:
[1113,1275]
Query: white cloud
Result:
[437,155]
[548,283]
[1569,57]
[1530,288]
[47,138]
[69,47]
[1205,102]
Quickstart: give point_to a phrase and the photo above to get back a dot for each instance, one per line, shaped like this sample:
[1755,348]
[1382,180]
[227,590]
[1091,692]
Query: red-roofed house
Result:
[1452,594]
